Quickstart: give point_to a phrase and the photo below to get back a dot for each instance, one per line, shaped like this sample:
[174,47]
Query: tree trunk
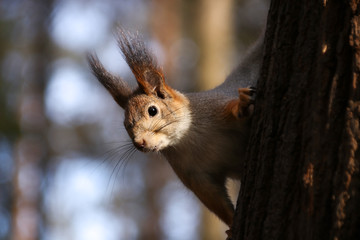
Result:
[214,36]
[31,150]
[301,177]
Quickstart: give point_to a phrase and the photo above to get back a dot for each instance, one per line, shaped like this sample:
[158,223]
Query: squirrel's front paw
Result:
[243,106]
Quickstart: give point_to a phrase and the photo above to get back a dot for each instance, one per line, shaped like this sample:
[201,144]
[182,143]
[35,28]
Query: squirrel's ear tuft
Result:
[149,76]
[117,87]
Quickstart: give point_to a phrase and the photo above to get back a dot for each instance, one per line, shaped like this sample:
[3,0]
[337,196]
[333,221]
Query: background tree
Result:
[301,179]
[62,168]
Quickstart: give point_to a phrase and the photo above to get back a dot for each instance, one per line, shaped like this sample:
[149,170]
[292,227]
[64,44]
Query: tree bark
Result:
[301,177]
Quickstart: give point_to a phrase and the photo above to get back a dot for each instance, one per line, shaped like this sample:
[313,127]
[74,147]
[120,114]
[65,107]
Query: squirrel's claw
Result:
[229,234]
[252,93]
[245,102]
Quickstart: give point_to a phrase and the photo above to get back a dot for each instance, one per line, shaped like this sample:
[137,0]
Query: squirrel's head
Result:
[156,116]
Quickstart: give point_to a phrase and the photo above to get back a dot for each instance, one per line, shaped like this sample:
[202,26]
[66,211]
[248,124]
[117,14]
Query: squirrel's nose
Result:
[141,144]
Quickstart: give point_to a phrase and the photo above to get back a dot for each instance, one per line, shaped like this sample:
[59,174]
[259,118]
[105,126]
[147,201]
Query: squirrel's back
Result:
[245,74]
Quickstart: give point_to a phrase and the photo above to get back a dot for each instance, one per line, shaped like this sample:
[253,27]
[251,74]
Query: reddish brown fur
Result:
[238,108]
[202,134]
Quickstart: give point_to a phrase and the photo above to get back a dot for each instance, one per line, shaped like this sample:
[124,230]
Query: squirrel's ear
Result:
[154,83]
[117,87]
[143,65]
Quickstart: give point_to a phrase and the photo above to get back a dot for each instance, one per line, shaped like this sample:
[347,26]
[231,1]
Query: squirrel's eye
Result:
[152,110]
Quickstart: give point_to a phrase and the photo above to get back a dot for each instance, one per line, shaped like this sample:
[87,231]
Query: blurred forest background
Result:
[63,173]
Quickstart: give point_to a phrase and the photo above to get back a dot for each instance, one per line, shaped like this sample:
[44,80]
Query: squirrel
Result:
[203,135]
